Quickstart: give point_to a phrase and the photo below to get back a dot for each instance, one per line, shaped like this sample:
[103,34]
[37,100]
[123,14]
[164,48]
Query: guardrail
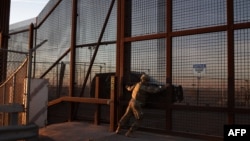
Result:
[12,109]
[15,131]
[80,100]
[98,101]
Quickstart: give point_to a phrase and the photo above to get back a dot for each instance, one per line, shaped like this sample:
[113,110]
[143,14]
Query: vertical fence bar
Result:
[14,89]
[72,55]
[31,35]
[97,112]
[112,104]
[3,114]
[1,36]
[4,94]
[120,53]
[231,75]
[169,65]
[34,54]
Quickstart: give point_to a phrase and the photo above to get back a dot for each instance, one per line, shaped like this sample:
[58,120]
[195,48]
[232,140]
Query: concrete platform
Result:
[83,131]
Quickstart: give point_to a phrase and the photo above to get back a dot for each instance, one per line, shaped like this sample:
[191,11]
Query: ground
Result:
[83,131]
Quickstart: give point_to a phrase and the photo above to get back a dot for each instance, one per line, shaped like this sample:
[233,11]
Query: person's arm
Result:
[155,89]
[130,88]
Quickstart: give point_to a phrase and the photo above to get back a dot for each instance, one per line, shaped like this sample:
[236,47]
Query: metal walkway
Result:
[82,131]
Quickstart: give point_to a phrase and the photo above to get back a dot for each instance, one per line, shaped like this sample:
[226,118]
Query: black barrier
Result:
[19,132]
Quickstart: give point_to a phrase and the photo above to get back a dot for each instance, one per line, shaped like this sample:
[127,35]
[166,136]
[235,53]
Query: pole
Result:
[31,31]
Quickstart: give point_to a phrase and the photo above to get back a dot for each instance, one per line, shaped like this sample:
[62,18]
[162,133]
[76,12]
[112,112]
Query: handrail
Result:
[11,108]
[80,100]
[12,75]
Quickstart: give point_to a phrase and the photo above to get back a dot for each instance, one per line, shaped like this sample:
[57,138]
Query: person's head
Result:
[145,78]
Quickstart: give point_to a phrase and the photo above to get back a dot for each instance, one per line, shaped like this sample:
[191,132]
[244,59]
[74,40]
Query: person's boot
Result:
[130,133]
[117,131]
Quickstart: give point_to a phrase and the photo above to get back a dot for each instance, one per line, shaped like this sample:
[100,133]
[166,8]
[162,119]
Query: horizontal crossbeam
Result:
[11,108]
[80,100]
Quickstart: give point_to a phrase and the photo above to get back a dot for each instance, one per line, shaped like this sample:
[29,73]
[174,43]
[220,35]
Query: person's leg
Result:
[180,93]
[138,114]
[124,119]
[133,128]
[177,95]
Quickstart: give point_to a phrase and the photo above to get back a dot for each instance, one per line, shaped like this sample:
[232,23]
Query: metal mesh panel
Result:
[91,17]
[105,62]
[148,17]
[18,50]
[12,91]
[149,57]
[209,87]
[47,9]
[56,31]
[242,118]
[58,85]
[242,67]
[241,11]
[198,13]
[199,122]
[205,87]
[154,119]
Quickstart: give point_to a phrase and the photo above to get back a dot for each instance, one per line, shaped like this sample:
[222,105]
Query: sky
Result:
[25,9]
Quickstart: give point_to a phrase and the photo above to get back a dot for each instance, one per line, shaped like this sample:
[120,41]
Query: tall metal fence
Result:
[13,90]
[199,44]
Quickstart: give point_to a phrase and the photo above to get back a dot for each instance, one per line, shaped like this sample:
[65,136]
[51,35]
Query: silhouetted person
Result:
[139,93]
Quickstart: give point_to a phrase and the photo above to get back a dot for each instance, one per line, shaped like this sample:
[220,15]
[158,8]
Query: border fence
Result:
[13,91]
[202,45]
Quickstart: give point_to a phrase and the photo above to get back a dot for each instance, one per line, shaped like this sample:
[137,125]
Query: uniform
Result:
[138,99]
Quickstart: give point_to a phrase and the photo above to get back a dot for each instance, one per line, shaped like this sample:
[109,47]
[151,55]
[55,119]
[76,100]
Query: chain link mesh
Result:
[13,91]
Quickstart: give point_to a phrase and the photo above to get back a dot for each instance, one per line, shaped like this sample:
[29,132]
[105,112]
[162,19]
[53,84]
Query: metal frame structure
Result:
[123,65]
[123,58]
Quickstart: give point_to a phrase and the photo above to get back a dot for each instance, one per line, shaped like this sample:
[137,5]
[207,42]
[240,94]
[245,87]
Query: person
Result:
[138,99]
